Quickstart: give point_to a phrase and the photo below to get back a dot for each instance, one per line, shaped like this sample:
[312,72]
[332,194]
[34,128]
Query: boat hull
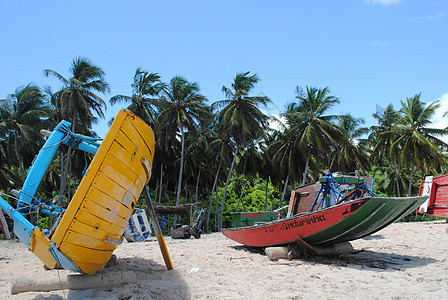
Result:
[343,222]
[437,189]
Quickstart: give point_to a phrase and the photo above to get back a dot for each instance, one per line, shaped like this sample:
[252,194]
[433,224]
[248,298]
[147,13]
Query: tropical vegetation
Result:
[223,155]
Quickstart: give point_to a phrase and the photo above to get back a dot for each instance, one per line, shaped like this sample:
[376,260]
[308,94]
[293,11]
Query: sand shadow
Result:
[364,258]
[369,260]
[154,281]
[255,250]
[374,237]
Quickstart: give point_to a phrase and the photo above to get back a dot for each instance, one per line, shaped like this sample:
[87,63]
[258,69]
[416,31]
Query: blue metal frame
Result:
[27,200]
[331,186]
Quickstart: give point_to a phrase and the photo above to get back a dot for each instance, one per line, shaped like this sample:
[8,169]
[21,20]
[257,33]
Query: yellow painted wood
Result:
[39,246]
[107,202]
[105,199]
[85,255]
[102,183]
[87,240]
[98,234]
[158,231]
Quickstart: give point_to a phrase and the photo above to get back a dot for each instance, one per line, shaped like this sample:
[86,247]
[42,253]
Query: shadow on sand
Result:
[364,258]
[376,260]
[154,281]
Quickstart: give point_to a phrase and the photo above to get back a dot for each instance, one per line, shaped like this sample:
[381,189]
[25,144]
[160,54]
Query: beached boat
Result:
[91,227]
[342,210]
[437,190]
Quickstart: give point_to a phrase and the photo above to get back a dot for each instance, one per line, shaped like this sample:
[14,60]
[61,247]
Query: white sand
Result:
[403,261]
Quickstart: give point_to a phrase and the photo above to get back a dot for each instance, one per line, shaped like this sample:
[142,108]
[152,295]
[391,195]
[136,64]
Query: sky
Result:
[368,53]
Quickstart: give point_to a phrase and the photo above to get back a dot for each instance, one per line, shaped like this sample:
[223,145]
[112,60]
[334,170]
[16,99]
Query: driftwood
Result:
[306,250]
[183,210]
[53,282]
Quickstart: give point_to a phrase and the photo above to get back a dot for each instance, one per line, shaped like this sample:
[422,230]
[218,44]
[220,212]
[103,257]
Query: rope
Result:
[57,144]
[30,205]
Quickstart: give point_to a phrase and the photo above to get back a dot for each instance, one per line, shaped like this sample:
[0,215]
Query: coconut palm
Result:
[382,138]
[145,91]
[285,154]
[21,113]
[78,99]
[240,118]
[250,165]
[221,150]
[315,131]
[183,105]
[418,146]
[352,154]
[7,176]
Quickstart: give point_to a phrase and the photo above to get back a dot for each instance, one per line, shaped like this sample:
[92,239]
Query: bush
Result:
[424,218]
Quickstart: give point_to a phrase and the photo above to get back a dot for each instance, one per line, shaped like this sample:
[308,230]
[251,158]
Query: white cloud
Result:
[439,120]
[274,122]
[380,44]
[436,17]
[383,2]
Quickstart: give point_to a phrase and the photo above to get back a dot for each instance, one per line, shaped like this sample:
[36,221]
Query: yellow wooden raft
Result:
[93,224]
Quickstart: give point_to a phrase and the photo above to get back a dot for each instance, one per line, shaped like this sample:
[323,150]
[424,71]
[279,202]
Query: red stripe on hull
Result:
[288,230]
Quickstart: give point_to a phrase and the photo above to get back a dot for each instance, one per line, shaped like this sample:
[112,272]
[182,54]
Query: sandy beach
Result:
[402,261]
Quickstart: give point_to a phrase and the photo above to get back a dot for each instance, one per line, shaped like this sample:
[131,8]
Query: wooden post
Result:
[158,231]
[54,282]
[4,225]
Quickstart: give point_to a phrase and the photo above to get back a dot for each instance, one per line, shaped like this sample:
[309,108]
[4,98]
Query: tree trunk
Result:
[156,193]
[197,185]
[211,198]
[410,179]
[396,176]
[180,171]
[266,198]
[64,177]
[19,161]
[225,189]
[241,196]
[69,157]
[216,208]
[69,181]
[283,194]
[306,169]
[161,183]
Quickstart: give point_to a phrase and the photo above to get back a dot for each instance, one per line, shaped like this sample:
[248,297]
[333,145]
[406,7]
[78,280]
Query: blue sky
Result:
[368,52]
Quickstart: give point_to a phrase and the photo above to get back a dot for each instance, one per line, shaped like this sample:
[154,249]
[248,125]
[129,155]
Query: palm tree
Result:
[267,168]
[285,151]
[240,118]
[183,105]
[221,150]
[7,176]
[314,130]
[21,113]
[417,144]
[382,137]
[352,153]
[249,165]
[145,91]
[77,99]
[167,145]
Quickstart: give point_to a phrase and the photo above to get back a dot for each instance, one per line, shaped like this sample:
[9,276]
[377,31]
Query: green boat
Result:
[354,215]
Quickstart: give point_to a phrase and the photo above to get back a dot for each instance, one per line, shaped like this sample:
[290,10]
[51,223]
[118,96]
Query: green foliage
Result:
[400,151]
[252,200]
[424,218]
[44,222]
